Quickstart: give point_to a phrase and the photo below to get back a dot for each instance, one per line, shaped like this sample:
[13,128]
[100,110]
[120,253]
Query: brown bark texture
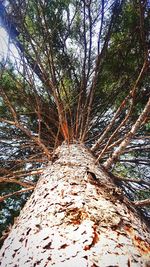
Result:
[77,216]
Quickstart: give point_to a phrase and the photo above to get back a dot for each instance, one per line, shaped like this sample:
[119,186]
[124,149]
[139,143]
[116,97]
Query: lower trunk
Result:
[76,217]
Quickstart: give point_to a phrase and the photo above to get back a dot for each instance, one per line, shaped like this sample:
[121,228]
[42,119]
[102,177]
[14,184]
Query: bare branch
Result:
[16,193]
[140,203]
[13,180]
[101,27]
[24,129]
[89,100]
[20,174]
[132,180]
[121,107]
[128,137]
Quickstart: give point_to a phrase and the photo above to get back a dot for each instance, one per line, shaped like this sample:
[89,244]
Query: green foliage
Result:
[142,194]
[125,56]
[10,208]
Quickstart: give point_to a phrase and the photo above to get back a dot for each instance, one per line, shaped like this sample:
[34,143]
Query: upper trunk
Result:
[76,217]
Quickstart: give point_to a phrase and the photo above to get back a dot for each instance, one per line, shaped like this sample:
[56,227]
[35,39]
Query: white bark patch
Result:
[74,219]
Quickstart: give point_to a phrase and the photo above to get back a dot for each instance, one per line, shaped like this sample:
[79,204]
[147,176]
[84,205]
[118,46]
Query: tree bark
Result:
[76,216]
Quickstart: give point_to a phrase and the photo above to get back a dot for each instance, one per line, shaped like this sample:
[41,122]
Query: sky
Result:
[6,48]
[3,42]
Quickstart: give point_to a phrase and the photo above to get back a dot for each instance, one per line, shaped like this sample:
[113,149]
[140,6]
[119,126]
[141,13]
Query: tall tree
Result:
[80,80]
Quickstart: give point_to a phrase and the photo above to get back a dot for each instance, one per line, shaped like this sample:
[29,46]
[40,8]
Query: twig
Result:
[111,160]
[121,107]
[144,202]
[133,180]
[12,180]
[19,174]
[16,193]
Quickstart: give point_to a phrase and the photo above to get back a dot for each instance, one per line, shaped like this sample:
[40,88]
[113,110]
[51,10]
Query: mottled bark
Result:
[76,217]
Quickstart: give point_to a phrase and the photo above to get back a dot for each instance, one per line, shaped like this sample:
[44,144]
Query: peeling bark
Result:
[76,216]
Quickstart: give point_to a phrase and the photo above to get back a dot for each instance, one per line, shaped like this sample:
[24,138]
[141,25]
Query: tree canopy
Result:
[80,75]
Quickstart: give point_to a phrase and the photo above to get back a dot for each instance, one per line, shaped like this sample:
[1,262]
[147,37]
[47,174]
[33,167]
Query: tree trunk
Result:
[76,217]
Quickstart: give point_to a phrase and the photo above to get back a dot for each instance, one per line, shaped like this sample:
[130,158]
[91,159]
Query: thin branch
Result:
[132,180]
[90,41]
[142,6]
[121,107]
[19,174]
[137,161]
[22,161]
[83,79]
[8,103]
[140,203]
[111,160]
[30,135]
[16,193]
[12,180]
[101,27]
[90,97]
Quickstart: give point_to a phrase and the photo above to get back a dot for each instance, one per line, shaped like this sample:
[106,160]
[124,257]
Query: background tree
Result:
[80,75]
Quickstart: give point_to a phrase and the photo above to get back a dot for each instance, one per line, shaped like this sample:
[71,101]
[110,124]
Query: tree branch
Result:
[121,107]
[116,154]
[13,180]
[140,203]
[132,180]
[16,193]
